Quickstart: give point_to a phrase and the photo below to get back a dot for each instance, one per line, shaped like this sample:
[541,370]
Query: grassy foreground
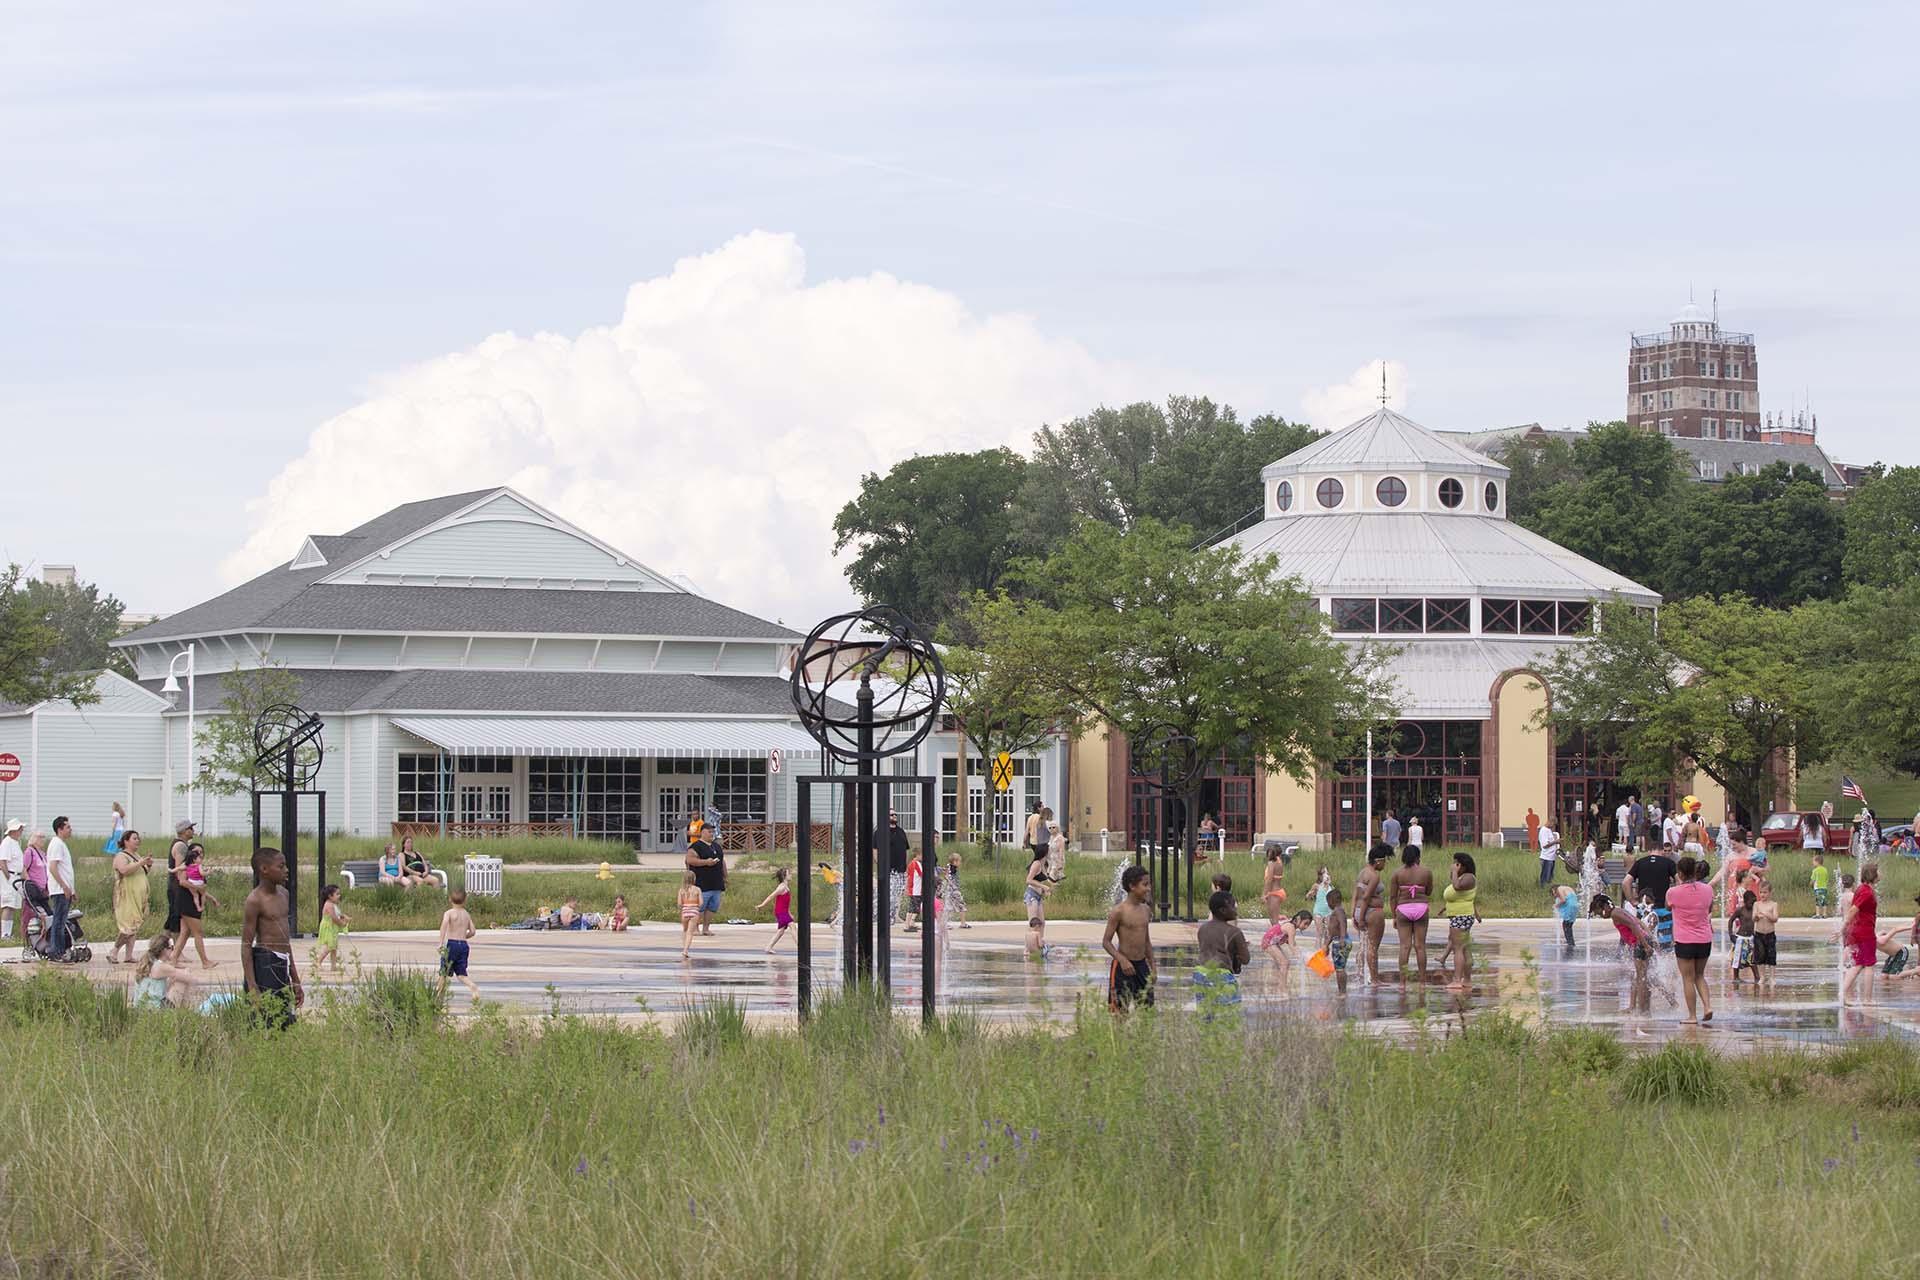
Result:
[372,1143]
[1509,887]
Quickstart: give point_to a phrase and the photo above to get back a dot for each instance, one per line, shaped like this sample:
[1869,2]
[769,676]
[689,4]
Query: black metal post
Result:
[1190,838]
[803,891]
[290,838]
[320,844]
[928,907]
[849,891]
[871,928]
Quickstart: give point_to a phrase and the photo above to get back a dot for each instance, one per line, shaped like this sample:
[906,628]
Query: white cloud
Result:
[713,431]
[1338,404]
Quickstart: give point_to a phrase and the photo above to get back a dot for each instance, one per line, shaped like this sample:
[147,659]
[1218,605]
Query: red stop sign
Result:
[9,766]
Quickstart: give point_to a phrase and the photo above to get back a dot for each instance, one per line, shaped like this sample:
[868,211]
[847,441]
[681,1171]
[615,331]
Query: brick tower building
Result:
[1695,379]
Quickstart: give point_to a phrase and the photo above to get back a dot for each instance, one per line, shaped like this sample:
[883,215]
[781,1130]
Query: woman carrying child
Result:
[193,898]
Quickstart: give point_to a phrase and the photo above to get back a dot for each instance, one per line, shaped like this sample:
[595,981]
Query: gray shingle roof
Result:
[1384,439]
[546,692]
[292,599]
[1726,455]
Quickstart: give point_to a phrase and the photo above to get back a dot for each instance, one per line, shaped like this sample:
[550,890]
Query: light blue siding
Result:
[368,651]
[687,655]
[505,507]
[562,655]
[493,550]
[626,655]
[436,651]
[301,651]
[499,652]
[83,766]
[750,659]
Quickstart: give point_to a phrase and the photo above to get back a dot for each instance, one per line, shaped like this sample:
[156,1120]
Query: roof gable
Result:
[1384,440]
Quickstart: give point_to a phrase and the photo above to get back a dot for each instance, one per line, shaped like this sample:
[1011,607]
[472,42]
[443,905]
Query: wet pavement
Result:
[1520,967]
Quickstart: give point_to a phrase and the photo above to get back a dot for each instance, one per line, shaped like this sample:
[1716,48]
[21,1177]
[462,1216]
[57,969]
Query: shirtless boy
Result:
[1130,976]
[266,950]
[1369,909]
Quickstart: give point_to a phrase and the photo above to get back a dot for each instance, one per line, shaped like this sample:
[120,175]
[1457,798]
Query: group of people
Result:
[37,885]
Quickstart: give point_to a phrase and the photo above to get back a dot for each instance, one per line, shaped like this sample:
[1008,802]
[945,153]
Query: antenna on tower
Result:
[1383,384]
[1716,308]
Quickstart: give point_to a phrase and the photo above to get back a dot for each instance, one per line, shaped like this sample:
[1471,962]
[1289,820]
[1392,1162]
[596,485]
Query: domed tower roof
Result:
[1385,441]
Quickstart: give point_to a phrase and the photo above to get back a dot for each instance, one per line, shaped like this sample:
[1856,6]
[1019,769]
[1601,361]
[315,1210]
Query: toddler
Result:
[617,920]
[689,912]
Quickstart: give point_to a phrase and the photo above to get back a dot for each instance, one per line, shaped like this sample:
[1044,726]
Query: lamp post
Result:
[171,692]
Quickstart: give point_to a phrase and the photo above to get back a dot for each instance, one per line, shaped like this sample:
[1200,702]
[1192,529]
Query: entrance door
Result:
[1350,811]
[145,798]
[1460,819]
[484,802]
[677,805]
[1236,811]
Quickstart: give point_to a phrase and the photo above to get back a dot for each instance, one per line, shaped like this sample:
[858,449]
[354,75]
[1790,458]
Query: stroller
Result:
[77,952]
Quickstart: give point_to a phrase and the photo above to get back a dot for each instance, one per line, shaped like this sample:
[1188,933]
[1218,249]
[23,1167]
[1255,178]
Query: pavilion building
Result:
[1403,536]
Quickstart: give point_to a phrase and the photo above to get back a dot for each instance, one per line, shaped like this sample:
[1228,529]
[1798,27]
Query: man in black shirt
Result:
[890,842]
[709,867]
[1652,875]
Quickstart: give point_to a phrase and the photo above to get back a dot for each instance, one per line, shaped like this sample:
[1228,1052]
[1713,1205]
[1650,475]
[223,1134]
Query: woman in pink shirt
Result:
[1691,902]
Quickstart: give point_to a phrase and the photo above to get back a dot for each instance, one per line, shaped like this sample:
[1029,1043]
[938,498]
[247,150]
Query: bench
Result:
[359,875]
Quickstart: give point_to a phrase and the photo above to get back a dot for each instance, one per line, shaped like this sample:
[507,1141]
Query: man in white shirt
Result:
[12,864]
[1623,825]
[59,886]
[1416,835]
[1549,851]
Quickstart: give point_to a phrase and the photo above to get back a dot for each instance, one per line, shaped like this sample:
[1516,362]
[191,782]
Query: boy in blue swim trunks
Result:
[456,927]
[1338,948]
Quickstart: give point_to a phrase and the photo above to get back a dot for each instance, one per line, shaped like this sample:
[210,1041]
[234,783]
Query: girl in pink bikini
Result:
[1410,890]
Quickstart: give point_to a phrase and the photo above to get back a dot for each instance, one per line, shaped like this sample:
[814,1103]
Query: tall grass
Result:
[166,1144]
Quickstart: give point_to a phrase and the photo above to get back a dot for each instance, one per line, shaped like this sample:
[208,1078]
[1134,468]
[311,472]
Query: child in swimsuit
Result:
[1278,941]
[617,920]
[1338,948]
[1565,904]
[781,898]
[1743,936]
[689,911]
[1822,880]
[333,927]
[1321,888]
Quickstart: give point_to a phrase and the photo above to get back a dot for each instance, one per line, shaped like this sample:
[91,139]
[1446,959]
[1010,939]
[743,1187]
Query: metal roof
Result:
[284,598]
[536,692]
[1453,679]
[1727,455]
[523,736]
[1424,553]
[1385,441]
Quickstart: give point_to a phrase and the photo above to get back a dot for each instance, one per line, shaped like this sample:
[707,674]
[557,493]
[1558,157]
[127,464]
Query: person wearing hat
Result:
[12,863]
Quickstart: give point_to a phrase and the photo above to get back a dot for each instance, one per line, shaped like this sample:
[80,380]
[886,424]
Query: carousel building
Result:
[1404,537]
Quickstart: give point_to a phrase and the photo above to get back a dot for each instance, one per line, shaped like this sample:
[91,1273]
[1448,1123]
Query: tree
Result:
[1534,465]
[1721,684]
[224,741]
[1869,658]
[1618,505]
[35,649]
[86,622]
[1142,629]
[932,531]
[1191,462]
[997,706]
[1774,537]
[1883,529]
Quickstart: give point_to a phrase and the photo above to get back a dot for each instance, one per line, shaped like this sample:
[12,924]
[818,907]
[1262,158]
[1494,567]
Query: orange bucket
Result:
[1319,963]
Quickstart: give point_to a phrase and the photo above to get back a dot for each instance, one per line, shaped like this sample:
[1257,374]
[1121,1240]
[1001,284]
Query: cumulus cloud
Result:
[713,431]
[1338,404]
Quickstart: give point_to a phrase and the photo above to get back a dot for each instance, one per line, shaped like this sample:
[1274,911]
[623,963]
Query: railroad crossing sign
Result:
[1003,772]
[9,767]
[773,760]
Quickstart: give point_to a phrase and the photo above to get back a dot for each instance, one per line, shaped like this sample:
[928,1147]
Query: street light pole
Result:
[171,690]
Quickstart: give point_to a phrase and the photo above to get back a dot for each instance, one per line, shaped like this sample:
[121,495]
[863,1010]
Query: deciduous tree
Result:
[42,656]
[224,741]
[1883,529]
[1774,537]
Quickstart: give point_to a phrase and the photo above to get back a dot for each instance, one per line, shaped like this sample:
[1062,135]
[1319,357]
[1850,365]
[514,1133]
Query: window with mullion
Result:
[1537,618]
[1449,617]
[1355,615]
[1400,616]
[1576,617]
[1500,617]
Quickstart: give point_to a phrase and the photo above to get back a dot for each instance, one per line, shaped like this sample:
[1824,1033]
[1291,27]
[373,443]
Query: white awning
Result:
[591,736]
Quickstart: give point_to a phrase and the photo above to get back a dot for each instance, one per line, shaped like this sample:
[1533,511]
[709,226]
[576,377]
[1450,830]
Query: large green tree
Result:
[1868,658]
[43,654]
[1883,529]
[1617,505]
[932,531]
[1141,629]
[1190,462]
[1774,537]
[1535,464]
[87,622]
[1723,684]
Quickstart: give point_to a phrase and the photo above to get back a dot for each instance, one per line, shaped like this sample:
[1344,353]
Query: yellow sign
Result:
[1003,772]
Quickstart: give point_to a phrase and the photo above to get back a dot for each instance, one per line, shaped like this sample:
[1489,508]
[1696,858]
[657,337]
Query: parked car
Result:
[1782,831]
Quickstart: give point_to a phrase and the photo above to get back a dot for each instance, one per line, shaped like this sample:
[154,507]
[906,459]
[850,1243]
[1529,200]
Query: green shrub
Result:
[400,1002]
[1587,1051]
[1864,1057]
[1779,1073]
[1683,1073]
[50,995]
[714,1025]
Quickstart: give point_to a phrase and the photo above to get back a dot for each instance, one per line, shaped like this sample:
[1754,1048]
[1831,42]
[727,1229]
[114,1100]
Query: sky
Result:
[685,273]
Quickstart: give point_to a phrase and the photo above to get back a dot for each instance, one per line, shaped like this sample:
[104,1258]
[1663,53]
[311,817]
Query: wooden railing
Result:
[764,837]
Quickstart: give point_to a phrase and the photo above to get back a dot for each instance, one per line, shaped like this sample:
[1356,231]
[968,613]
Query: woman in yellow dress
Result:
[131,897]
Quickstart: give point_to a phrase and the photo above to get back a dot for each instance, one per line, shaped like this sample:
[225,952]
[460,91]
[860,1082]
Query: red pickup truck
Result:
[1783,831]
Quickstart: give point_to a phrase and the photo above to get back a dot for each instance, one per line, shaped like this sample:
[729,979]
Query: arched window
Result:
[1493,496]
[1451,493]
[1391,491]
[1330,492]
[1283,495]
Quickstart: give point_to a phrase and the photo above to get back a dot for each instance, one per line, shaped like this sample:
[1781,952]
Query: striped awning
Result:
[591,736]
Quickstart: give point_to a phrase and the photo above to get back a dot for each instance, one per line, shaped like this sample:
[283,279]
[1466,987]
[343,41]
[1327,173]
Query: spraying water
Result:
[1114,891]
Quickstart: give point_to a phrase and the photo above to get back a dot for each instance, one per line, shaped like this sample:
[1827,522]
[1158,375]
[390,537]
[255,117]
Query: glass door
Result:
[677,804]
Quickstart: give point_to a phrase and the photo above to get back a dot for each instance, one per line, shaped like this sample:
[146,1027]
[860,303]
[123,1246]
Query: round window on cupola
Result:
[1493,496]
[1451,494]
[1392,491]
[1283,495]
[1330,492]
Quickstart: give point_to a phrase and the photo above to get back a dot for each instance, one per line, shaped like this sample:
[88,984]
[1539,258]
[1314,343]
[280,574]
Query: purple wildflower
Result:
[580,1169]
[1856,1131]
[1830,1164]
[855,1146]
[883,1115]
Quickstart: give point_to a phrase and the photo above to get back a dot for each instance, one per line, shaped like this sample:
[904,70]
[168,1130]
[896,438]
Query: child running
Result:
[689,911]
[1822,881]
[456,930]
[782,900]
[333,927]
[1128,942]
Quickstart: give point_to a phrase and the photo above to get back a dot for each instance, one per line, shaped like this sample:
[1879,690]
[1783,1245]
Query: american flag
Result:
[1851,789]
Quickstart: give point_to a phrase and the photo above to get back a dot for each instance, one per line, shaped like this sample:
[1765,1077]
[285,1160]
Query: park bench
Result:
[357,875]
[1513,837]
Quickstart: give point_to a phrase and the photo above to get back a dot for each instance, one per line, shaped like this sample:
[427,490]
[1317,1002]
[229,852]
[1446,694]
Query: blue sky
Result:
[244,249]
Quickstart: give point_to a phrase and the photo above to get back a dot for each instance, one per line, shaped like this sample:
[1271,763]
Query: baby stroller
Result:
[77,952]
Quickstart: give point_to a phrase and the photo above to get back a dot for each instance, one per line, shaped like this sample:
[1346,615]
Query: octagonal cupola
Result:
[1384,463]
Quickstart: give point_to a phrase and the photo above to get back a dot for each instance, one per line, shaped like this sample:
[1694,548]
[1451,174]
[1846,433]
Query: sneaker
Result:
[1896,962]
